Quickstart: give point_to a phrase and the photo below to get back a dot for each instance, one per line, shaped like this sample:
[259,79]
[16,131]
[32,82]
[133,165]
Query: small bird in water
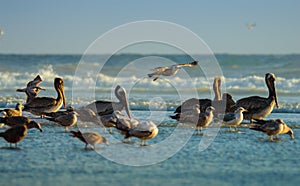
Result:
[205,119]
[272,128]
[14,134]
[65,120]
[14,112]
[91,138]
[234,119]
[169,71]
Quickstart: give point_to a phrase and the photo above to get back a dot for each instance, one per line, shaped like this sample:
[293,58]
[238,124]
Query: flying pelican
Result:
[14,112]
[107,107]
[14,134]
[260,107]
[144,130]
[273,128]
[32,89]
[169,71]
[205,119]
[234,119]
[65,120]
[40,105]
[91,138]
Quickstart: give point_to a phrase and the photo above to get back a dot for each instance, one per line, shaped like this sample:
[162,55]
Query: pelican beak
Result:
[21,90]
[63,95]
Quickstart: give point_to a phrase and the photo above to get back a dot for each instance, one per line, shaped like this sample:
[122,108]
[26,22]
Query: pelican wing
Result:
[40,102]
[101,107]
[252,104]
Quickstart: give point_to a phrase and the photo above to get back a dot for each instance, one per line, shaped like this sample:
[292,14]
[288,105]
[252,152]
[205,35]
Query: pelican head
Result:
[59,86]
[120,93]
[271,82]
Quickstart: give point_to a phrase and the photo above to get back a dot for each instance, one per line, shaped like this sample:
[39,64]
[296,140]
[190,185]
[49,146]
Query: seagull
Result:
[65,120]
[205,119]
[91,138]
[234,119]
[260,107]
[251,26]
[14,134]
[272,128]
[14,112]
[144,130]
[169,71]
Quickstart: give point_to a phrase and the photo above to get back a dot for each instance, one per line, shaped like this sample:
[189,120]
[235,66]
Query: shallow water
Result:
[55,158]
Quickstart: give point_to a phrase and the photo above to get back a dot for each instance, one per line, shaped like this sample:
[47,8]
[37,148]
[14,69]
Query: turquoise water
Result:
[55,158]
[245,158]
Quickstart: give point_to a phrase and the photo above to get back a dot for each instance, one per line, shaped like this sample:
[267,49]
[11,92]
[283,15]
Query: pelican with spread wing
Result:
[169,71]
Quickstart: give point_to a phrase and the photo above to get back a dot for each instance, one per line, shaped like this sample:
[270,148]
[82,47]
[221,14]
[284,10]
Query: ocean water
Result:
[245,158]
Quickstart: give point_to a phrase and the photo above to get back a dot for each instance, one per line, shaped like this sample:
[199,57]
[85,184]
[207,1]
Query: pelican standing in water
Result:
[260,107]
[273,128]
[169,71]
[40,105]
[108,107]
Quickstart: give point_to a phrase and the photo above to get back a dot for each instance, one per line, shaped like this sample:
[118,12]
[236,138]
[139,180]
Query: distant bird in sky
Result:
[169,71]
[1,32]
[251,26]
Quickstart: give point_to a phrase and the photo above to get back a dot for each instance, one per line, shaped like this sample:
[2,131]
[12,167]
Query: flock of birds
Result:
[198,112]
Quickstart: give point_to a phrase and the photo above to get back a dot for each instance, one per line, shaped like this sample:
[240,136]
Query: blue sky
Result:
[70,26]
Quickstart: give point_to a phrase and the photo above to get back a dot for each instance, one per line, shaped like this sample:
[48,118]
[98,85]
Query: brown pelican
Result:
[272,128]
[260,107]
[40,105]
[234,119]
[108,107]
[14,112]
[144,130]
[91,138]
[65,120]
[169,71]
[14,121]
[14,134]
[205,119]
[221,106]
[32,89]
